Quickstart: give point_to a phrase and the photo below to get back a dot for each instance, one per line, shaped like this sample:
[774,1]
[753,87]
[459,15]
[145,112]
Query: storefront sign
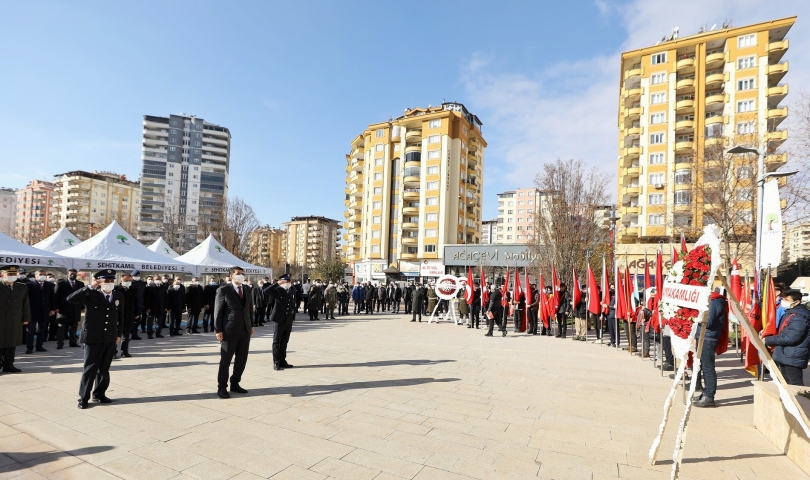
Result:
[431,268]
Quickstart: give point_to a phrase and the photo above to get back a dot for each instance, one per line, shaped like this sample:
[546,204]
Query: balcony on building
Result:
[776,49]
[776,72]
[685,63]
[410,194]
[633,96]
[776,94]
[685,103]
[633,114]
[413,158]
[684,123]
[684,143]
[776,138]
[413,136]
[715,78]
[411,209]
[715,58]
[411,225]
[633,73]
[356,178]
[412,177]
[715,99]
[357,153]
[775,116]
[685,83]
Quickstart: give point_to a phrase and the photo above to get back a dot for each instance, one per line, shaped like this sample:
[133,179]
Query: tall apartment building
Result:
[679,99]
[86,202]
[796,243]
[184,178]
[517,210]
[34,205]
[489,231]
[309,240]
[413,185]
[8,205]
[265,246]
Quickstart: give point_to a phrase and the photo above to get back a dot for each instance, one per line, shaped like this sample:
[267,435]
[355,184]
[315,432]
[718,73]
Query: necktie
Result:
[72,285]
[108,298]
[239,291]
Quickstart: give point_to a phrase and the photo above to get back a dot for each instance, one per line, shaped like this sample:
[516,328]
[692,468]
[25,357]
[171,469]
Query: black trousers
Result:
[793,375]
[281,337]
[39,328]
[417,313]
[532,321]
[259,315]
[176,320]
[233,345]
[491,322]
[475,319]
[408,305]
[369,306]
[53,326]
[144,317]
[7,357]
[67,329]
[192,320]
[613,331]
[97,360]
[343,308]
[562,325]
[597,324]
[358,307]
[208,317]
[517,319]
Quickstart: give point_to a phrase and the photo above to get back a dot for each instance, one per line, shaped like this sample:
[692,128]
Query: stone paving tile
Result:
[407,401]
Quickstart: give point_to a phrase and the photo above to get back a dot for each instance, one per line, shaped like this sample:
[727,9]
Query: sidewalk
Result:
[375,397]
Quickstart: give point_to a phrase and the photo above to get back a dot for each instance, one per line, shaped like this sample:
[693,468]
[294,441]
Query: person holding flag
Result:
[716,329]
[791,341]
[563,310]
[593,308]
[475,307]
[533,306]
[519,302]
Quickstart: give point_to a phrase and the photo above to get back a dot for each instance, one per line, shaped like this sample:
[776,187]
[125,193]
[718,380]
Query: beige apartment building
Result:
[8,206]
[517,210]
[489,231]
[86,202]
[34,205]
[796,244]
[266,246]
[679,100]
[413,185]
[309,240]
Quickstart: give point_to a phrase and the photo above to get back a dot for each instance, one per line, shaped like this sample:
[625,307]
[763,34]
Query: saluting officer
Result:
[101,332]
[282,316]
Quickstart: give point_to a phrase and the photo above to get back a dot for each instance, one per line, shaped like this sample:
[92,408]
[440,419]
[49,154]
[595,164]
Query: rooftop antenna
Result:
[702,29]
[713,27]
[675,32]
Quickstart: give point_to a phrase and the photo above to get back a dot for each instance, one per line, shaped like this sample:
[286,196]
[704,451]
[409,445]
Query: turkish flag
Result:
[621,299]
[555,290]
[769,309]
[544,310]
[605,288]
[504,289]
[593,293]
[484,290]
[518,294]
[470,286]
[576,292]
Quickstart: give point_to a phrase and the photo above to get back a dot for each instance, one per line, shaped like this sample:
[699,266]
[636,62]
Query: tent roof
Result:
[211,257]
[62,239]
[13,252]
[160,246]
[114,248]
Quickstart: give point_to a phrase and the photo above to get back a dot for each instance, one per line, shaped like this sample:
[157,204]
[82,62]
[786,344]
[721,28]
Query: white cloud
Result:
[570,110]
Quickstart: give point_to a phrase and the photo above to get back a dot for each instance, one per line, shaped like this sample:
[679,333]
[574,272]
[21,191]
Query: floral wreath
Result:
[692,269]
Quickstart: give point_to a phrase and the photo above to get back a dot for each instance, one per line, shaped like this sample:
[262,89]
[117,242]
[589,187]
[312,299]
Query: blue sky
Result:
[296,81]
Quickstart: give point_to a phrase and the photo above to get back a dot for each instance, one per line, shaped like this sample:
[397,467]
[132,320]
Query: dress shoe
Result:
[135,337]
[278,367]
[157,335]
[59,347]
[235,388]
[102,399]
[222,393]
[668,367]
[413,320]
[196,331]
[704,402]
[287,365]
[82,404]
[11,369]
[487,334]
[29,351]
[504,333]
[40,349]
[205,329]
[150,337]
[74,345]
[126,355]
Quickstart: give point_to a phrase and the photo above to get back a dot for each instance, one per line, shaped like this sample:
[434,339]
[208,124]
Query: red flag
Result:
[518,293]
[628,292]
[683,244]
[647,281]
[674,253]
[470,286]
[753,313]
[659,288]
[605,288]
[504,289]
[555,290]
[543,312]
[621,299]
[736,284]
[576,292]
[593,293]
[769,308]
[484,290]
[529,299]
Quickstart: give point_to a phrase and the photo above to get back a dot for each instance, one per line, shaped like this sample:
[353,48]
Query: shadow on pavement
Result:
[382,363]
[27,460]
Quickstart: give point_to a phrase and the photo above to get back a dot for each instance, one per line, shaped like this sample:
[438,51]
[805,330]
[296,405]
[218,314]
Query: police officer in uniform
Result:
[15,313]
[101,332]
[139,286]
[282,316]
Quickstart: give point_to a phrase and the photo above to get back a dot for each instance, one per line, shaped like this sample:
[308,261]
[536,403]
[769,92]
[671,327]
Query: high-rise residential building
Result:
[8,205]
[86,202]
[184,179]
[265,246]
[796,245]
[413,185]
[33,211]
[517,211]
[489,231]
[683,98]
[309,240]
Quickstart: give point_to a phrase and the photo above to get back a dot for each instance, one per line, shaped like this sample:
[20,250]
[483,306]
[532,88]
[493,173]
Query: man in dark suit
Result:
[475,307]
[101,332]
[194,304]
[209,297]
[14,315]
[282,316]
[494,310]
[155,302]
[43,304]
[233,322]
[132,309]
[176,304]
[139,286]
[68,314]
[258,304]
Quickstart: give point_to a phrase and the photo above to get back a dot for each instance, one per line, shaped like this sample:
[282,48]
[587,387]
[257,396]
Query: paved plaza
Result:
[374,397]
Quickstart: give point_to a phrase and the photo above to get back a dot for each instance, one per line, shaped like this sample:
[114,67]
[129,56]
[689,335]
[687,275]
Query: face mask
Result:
[177,287]
[11,278]
[150,282]
[213,282]
[157,282]
[72,277]
[51,279]
[107,287]
[786,304]
[126,284]
[136,278]
[285,286]
[195,282]
[239,279]
[41,278]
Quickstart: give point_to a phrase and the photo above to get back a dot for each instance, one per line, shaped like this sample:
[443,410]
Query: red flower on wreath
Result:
[697,265]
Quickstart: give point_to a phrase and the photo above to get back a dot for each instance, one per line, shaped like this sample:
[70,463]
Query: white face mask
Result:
[150,282]
[786,304]
[126,284]
[177,287]
[51,279]
[238,279]
[107,287]
[157,282]
[195,282]
[136,278]
[41,278]
[285,286]
[11,278]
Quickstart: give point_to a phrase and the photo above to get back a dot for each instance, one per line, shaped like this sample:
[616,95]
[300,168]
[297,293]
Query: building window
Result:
[376,219]
[745,195]
[746,62]
[657,178]
[657,78]
[745,172]
[658,98]
[379,147]
[656,158]
[379,133]
[432,217]
[434,139]
[683,197]
[396,147]
[378,176]
[378,162]
[745,106]
[747,41]
[656,219]
[376,205]
[656,138]
[683,176]
[746,84]
[375,249]
[745,128]
[656,118]
[431,232]
[432,201]
[658,58]
[375,234]
[656,199]
[435,123]
[433,170]
[433,154]
[377,190]
[430,248]
[432,185]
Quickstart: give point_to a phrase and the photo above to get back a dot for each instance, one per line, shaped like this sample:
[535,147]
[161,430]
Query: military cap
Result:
[105,274]
[9,269]
[135,273]
[284,277]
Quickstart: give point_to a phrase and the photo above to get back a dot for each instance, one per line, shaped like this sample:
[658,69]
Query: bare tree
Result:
[797,191]
[233,225]
[568,223]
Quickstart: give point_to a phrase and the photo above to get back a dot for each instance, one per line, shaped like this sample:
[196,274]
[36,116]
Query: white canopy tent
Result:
[62,239]
[114,248]
[211,257]
[160,246]
[13,252]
